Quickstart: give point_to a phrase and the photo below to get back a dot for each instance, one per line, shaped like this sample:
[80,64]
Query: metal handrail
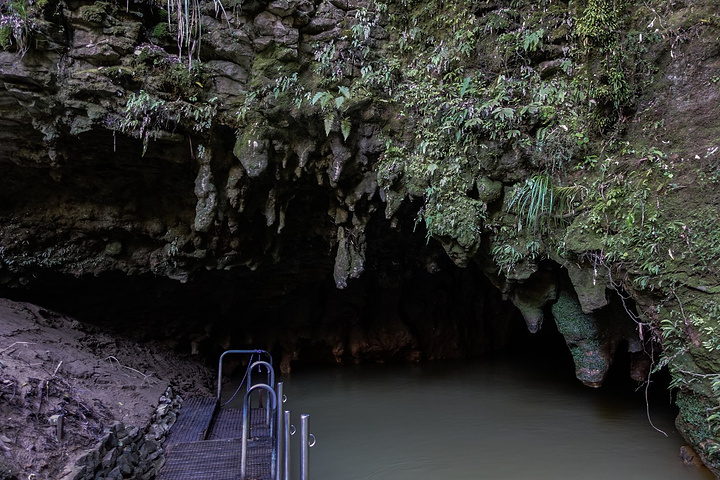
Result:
[220,363]
[277,420]
[246,428]
[270,378]
[271,373]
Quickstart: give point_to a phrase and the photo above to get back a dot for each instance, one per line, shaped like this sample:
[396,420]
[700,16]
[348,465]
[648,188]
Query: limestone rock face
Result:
[531,294]
[112,136]
[252,154]
[590,289]
[590,341]
[350,257]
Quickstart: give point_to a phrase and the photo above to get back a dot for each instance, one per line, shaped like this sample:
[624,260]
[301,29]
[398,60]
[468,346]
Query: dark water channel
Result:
[492,419]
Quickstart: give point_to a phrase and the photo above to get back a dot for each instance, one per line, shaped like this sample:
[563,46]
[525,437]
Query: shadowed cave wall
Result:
[412,303]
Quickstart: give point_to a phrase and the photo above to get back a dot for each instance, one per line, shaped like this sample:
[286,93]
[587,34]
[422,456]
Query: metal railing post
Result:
[286,453]
[280,428]
[305,446]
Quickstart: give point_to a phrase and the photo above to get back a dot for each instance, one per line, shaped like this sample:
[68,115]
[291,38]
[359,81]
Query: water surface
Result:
[493,419]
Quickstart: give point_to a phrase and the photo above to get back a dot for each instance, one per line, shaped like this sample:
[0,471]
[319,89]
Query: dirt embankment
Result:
[52,366]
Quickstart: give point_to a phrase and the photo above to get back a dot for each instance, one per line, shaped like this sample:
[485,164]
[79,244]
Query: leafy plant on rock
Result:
[16,25]
[147,115]
[539,203]
[331,105]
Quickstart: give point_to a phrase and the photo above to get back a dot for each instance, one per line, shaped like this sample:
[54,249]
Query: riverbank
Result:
[54,369]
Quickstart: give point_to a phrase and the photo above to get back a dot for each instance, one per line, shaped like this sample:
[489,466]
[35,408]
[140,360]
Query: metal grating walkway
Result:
[209,443]
[193,420]
[228,424]
[259,459]
[208,460]
[190,457]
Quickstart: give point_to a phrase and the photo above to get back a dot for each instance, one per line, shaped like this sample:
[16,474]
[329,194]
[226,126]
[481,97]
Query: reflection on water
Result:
[479,420]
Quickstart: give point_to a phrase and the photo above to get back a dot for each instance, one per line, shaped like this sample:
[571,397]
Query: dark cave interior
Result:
[394,312]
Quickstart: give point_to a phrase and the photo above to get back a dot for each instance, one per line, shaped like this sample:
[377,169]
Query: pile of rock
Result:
[128,451]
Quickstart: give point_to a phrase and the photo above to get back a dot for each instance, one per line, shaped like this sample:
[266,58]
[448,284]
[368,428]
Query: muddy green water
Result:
[492,420]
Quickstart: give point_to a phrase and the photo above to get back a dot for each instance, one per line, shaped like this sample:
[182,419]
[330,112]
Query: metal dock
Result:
[211,441]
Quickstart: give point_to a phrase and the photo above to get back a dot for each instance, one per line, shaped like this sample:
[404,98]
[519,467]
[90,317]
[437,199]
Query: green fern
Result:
[538,202]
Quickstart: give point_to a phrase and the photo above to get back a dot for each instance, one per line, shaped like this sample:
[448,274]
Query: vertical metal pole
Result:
[245,435]
[274,431]
[304,446]
[286,454]
[249,383]
[279,446]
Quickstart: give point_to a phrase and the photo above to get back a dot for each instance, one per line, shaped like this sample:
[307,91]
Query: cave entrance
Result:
[424,309]
[422,359]
[419,308]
